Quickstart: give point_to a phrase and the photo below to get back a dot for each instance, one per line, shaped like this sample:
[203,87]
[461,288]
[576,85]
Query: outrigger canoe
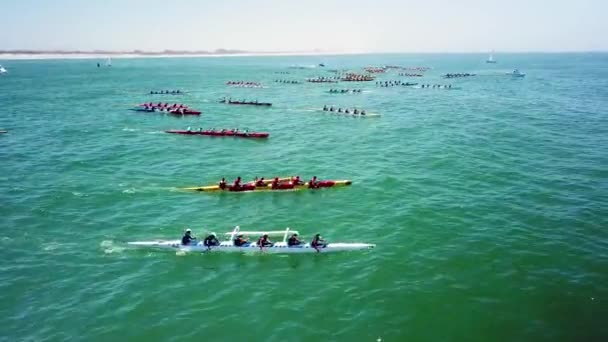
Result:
[227,133]
[167,110]
[249,103]
[284,184]
[228,245]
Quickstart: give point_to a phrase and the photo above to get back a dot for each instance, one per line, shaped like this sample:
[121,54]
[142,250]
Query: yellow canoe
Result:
[267,187]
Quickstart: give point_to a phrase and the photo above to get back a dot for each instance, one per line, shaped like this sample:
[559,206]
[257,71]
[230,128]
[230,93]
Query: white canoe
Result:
[229,247]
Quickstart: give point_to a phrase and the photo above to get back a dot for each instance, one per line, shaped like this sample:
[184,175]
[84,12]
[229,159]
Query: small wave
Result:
[79,194]
[51,246]
[106,243]
[129,191]
[155,132]
[130,129]
[180,253]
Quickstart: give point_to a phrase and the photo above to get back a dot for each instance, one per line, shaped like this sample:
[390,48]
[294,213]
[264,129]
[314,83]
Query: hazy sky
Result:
[289,25]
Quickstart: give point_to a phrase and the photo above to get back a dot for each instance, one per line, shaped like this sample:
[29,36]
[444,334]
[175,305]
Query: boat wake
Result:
[109,247]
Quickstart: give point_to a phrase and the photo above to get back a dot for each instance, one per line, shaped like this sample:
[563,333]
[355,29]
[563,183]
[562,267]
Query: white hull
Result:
[516,74]
[228,247]
[2,70]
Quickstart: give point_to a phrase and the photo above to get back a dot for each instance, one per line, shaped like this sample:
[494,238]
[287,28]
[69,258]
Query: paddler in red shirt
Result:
[260,182]
[275,183]
[296,180]
[237,182]
[312,184]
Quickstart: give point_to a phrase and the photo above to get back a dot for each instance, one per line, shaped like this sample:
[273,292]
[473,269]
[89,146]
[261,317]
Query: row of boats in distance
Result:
[237,242]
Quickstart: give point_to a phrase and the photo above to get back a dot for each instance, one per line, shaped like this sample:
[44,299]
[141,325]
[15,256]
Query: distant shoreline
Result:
[102,55]
[26,54]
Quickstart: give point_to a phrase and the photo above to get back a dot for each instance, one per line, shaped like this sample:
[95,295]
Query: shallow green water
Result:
[487,202]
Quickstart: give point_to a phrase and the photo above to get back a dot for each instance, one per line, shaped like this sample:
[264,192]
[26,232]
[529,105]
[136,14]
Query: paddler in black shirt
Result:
[318,242]
[222,184]
[264,241]
[211,240]
[187,238]
[294,241]
[240,241]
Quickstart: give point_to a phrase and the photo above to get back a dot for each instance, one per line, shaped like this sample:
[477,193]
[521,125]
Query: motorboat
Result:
[228,246]
[516,73]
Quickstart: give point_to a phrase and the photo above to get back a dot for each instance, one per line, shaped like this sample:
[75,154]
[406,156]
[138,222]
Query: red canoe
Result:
[222,134]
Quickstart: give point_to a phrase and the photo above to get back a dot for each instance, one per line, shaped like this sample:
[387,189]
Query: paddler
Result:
[222,184]
[264,241]
[260,182]
[187,238]
[237,182]
[240,241]
[318,242]
[312,184]
[296,180]
[211,240]
[294,241]
[275,183]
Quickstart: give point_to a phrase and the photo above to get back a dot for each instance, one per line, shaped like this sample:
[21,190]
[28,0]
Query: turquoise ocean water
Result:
[487,202]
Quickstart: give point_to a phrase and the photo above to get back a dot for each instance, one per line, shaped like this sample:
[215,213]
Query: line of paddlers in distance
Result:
[166,92]
[458,75]
[394,83]
[288,81]
[243,102]
[341,91]
[275,184]
[355,111]
[437,86]
[244,83]
[405,74]
[171,109]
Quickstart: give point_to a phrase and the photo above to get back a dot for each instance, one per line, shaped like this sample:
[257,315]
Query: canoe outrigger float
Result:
[228,245]
[284,185]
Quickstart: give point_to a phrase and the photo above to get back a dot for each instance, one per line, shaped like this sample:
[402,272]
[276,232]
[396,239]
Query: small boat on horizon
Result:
[491,59]
[2,70]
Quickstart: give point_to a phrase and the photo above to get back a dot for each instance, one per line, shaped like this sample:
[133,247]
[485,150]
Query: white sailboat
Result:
[2,70]
[491,58]
[109,62]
